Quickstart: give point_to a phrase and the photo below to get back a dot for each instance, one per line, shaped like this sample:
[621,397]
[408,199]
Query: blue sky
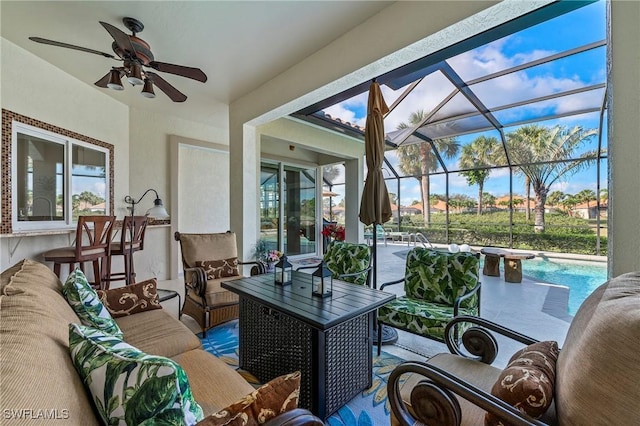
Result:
[575,29]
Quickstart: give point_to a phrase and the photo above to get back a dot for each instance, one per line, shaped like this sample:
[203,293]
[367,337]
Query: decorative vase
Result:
[271,266]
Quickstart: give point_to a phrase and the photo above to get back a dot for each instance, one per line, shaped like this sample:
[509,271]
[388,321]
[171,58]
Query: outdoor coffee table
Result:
[285,329]
[512,263]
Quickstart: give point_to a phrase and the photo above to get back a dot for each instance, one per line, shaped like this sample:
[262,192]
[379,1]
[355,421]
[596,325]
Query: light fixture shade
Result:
[157,211]
[147,90]
[135,77]
[115,82]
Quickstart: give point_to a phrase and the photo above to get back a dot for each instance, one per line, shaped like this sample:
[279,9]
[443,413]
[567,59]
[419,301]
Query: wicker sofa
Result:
[39,384]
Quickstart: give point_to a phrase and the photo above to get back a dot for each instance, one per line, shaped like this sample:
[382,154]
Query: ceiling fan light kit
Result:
[147,90]
[115,81]
[135,77]
[135,54]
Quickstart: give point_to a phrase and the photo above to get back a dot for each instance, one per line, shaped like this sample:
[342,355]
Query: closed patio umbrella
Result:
[375,207]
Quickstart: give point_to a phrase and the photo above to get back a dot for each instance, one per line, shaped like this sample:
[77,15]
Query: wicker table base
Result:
[335,364]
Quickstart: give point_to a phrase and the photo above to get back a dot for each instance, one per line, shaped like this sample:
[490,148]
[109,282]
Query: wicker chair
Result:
[208,259]
[438,286]
[594,380]
[348,262]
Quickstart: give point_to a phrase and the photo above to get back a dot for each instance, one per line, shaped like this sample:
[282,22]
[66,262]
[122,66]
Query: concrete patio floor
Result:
[533,308]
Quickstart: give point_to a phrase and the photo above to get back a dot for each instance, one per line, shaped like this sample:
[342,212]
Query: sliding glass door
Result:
[288,193]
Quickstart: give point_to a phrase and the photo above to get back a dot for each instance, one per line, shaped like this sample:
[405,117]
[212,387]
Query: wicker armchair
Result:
[209,259]
[594,382]
[438,286]
[348,262]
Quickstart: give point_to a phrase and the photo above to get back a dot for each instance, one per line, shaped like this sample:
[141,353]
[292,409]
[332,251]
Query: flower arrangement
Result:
[273,255]
[336,232]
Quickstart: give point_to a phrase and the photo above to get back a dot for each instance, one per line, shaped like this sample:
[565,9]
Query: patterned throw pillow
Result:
[129,387]
[131,299]
[219,268]
[85,302]
[276,397]
[528,381]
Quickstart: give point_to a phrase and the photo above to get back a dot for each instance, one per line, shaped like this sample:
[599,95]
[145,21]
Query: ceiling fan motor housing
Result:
[143,51]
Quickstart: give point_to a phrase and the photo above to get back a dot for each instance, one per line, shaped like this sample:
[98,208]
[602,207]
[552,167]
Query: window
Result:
[56,178]
[288,192]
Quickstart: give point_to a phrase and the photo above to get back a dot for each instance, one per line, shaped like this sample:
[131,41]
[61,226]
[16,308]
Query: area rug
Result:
[369,408]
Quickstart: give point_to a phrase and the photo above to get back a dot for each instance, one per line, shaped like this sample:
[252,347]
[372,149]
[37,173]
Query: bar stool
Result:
[96,249]
[127,245]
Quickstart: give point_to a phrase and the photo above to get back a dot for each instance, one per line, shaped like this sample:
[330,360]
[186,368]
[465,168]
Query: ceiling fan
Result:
[135,54]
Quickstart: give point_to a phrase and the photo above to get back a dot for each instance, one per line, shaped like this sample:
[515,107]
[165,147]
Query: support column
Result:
[244,158]
[354,178]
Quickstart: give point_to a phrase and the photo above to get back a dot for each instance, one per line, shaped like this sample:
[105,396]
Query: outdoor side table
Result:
[170,294]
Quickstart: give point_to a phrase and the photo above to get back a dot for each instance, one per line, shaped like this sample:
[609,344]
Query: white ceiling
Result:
[239,44]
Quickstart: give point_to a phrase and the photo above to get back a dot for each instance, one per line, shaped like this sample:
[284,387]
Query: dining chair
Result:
[131,241]
[93,239]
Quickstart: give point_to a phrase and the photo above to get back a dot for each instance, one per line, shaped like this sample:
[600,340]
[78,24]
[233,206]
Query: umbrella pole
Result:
[374,254]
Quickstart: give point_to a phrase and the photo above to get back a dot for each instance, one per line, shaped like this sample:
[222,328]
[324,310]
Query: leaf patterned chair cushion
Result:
[129,387]
[433,281]
[348,258]
[87,305]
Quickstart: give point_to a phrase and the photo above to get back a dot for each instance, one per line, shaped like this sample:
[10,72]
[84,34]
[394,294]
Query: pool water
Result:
[581,277]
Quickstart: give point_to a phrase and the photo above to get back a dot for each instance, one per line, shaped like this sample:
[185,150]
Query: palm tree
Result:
[556,197]
[521,138]
[418,160]
[545,158]
[586,195]
[479,153]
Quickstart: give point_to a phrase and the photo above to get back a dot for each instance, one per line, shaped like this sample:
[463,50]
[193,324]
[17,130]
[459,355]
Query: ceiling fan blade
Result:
[189,72]
[122,40]
[71,46]
[103,81]
[168,89]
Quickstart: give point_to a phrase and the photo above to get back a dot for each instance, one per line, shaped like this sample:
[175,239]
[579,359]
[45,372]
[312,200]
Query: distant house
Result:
[590,210]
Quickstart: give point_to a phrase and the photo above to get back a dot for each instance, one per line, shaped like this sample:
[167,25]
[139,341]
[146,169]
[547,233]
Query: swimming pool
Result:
[581,277]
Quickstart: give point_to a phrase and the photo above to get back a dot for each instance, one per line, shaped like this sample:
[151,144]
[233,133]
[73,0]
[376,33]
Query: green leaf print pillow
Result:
[85,302]
[129,387]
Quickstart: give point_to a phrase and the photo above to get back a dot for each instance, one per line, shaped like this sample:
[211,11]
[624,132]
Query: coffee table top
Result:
[347,301]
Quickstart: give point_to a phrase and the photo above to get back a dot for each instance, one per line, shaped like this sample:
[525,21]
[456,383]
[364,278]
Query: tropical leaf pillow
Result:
[129,387]
[85,302]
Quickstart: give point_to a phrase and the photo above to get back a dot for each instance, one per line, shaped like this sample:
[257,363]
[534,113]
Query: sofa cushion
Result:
[275,397]
[36,371]
[214,383]
[129,386]
[131,299]
[157,332]
[219,268]
[527,383]
[599,358]
[85,302]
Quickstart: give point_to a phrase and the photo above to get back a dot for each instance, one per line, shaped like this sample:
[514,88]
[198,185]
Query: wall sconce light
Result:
[283,271]
[322,281]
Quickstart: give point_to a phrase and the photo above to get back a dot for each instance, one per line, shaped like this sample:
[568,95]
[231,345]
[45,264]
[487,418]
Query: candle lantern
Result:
[283,271]
[322,281]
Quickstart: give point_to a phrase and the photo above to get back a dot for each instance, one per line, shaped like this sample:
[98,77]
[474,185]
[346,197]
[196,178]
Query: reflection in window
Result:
[56,179]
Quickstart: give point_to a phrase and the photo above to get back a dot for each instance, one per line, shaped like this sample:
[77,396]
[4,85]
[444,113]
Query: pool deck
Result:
[533,308]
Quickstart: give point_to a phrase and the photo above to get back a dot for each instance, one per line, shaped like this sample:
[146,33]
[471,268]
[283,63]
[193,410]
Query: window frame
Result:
[12,122]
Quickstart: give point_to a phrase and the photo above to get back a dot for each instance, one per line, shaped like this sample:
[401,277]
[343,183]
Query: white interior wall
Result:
[203,197]
[66,102]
